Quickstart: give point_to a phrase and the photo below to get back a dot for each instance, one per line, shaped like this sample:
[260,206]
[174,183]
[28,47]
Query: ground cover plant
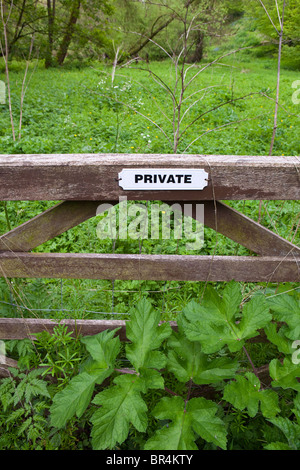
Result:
[73,111]
[162,389]
[195,388]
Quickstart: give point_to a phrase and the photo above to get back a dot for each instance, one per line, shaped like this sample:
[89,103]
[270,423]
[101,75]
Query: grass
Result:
[79,111]
[73,111]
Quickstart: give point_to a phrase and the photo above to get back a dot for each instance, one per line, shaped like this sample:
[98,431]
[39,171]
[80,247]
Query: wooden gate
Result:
[82,182]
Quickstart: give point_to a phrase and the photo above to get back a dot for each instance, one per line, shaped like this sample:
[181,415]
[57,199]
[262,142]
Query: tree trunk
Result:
[18,27]
[51,18]
[66,41]
[136,49]
[198,53]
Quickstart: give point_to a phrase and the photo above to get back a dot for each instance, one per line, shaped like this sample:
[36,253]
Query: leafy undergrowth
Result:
[78,111]
[196,387]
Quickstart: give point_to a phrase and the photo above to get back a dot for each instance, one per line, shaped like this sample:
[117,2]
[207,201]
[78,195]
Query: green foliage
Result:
[75,111]
[146,337]
[285,375]
[246,393]
[121,405]
[154,352]
[217,321]
[187,361]
[28,387]
[188,420]
[289,428]
[23,415]
[278,338]
[75,398]
[58,353]
[286,308]
[147,393]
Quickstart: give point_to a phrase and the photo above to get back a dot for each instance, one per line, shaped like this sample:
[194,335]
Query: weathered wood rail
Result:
[95,177]
[82,182]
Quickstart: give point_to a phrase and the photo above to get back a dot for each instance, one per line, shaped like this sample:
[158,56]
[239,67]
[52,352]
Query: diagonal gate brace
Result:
[278,261]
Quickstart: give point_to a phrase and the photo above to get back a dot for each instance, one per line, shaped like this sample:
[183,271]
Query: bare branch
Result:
[147,89]
[115,64]
[268,15]
[222,57]
[214,108]
[221,127]
[25,86]
[138,112]
[196,101]
[279,19]
[5,56]
[154,42]
[278,81]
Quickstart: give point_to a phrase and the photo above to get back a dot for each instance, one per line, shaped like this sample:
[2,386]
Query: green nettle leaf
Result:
[146,335]
[286,308]
[152,379]
[278,338]
[256,315]
[285,375]
[30,386]
[188,422]
[187,362]
[232,298]
[103,347]
[277,446]
[73,400]
[291,431]
[121,405]
[76,396]
[245,393]
[216,322]
[296,410]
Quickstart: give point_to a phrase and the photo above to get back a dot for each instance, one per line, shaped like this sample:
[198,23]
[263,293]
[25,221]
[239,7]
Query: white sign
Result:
[163,179]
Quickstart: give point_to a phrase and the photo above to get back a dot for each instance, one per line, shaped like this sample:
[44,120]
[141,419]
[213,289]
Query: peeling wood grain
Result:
[95,177]
[47,225]
[5,364]
[149,267]
[20,328]
[245,231]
